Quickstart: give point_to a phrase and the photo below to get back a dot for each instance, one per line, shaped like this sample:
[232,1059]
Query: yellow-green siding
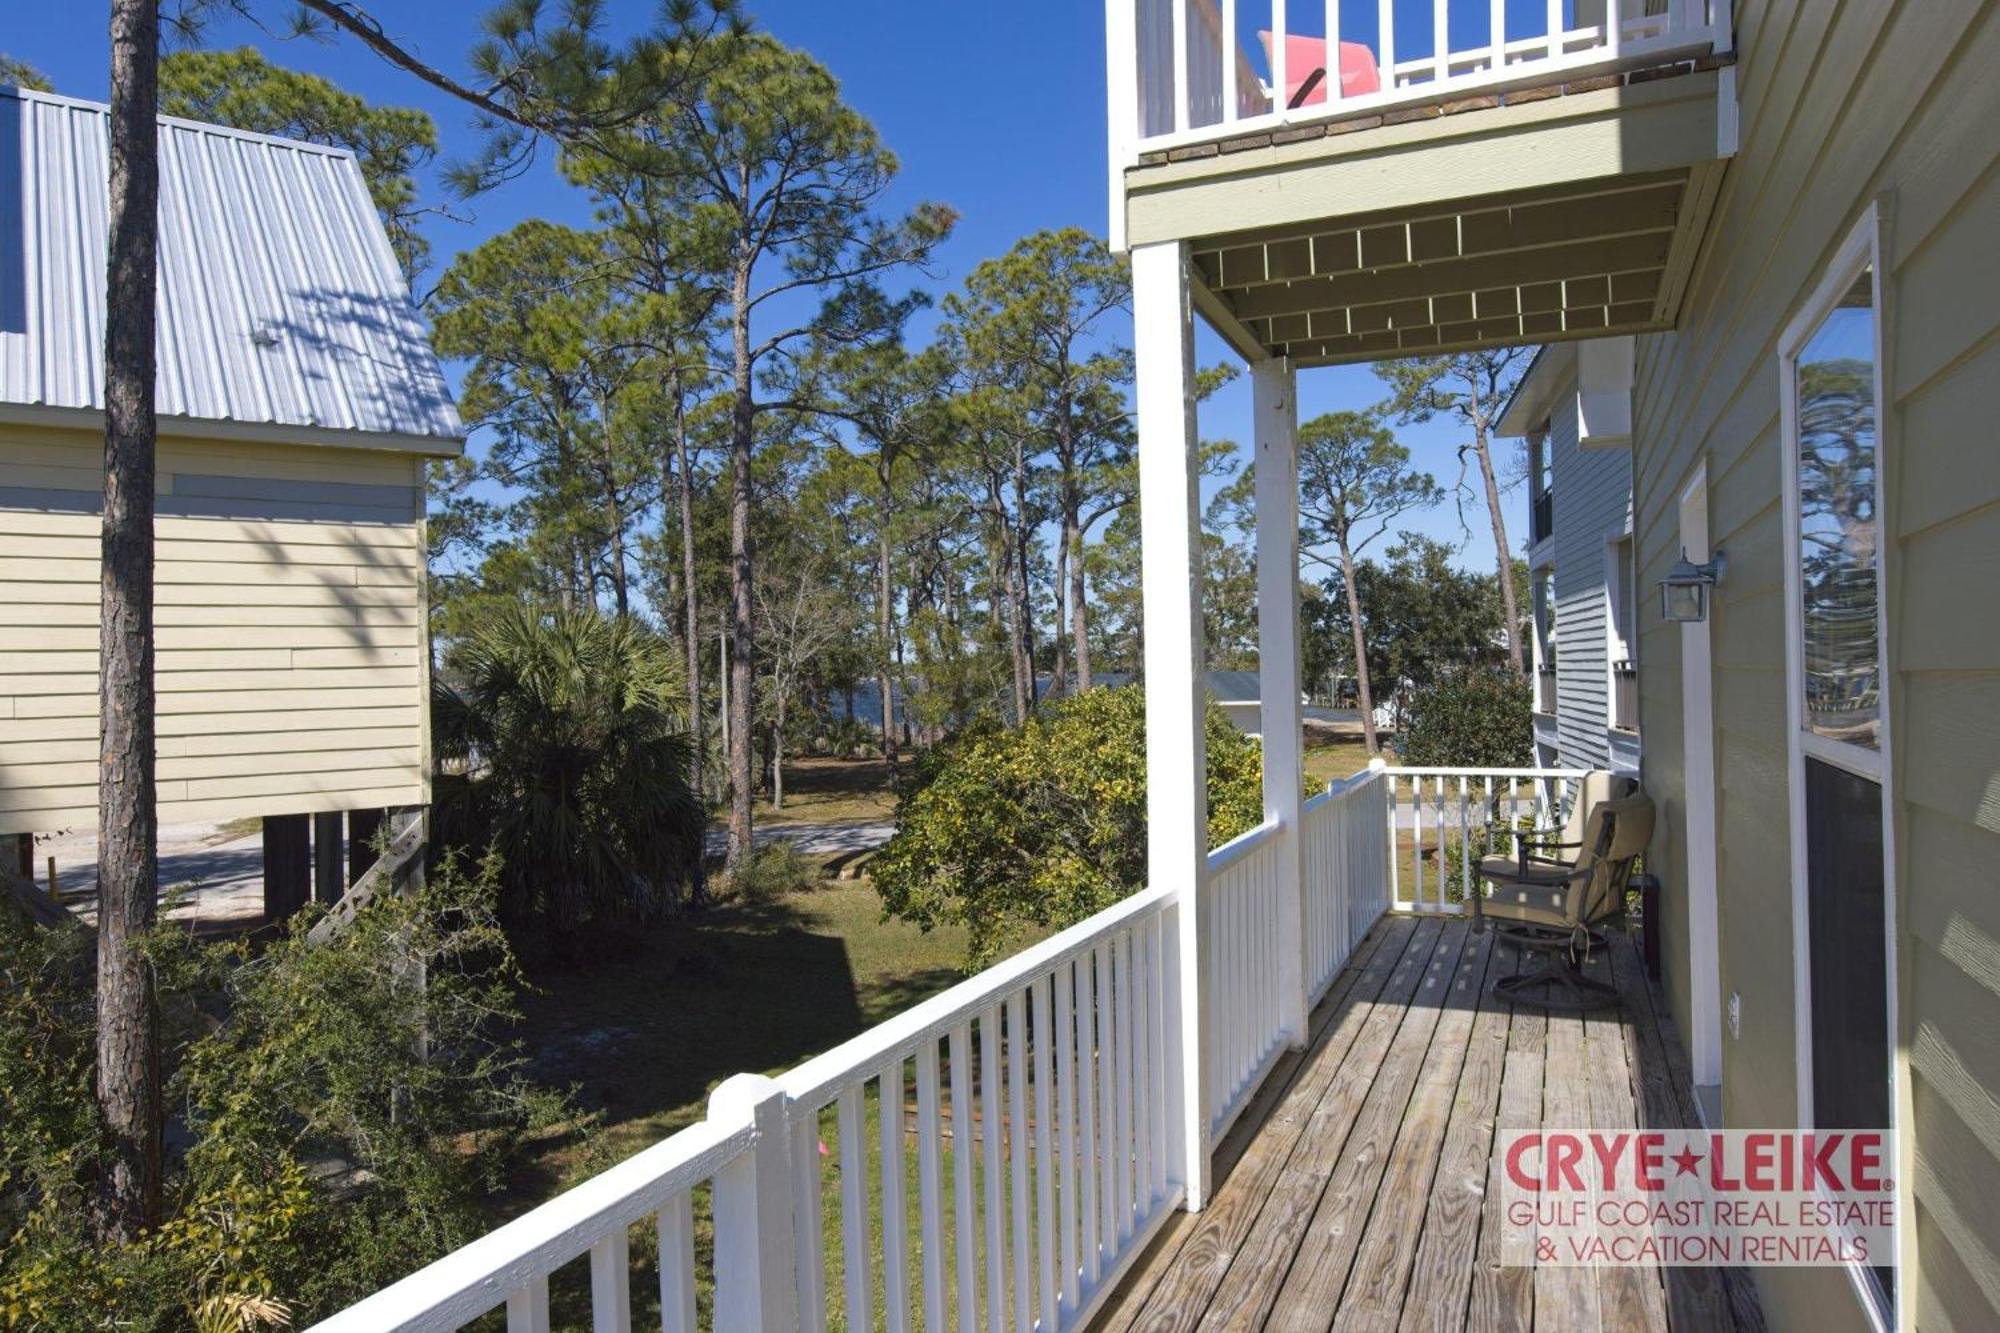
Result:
[292,665]
[1843,105]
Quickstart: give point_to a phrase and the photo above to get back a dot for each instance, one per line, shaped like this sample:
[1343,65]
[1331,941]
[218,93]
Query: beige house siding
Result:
[1841,105]
[292,668]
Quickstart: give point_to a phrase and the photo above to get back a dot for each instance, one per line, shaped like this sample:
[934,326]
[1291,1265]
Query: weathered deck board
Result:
[1359,1189]
[1187,1264]
[1243,1298]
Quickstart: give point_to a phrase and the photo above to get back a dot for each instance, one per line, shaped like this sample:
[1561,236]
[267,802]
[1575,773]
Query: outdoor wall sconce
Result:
[1684,591]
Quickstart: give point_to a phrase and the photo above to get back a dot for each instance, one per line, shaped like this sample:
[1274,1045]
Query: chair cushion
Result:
[1506,870]
[1537,904]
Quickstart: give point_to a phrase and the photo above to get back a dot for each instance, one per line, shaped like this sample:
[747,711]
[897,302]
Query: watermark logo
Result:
[1692,1198]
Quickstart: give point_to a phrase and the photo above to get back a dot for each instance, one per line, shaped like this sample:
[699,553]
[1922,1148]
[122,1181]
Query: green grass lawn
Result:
[822,790]
[1330,763]
[753,987]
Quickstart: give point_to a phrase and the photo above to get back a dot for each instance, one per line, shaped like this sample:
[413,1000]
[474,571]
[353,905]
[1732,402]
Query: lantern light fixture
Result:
[1684,591]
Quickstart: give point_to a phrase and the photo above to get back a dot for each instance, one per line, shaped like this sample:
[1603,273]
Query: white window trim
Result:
[1619,592]
[1862,250]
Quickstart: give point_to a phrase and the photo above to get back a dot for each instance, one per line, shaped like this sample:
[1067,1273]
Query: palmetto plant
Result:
[568,733]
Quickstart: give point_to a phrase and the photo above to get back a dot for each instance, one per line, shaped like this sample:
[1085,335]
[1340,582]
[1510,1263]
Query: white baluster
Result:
[854,1237]
[1066,1174]
[528,1308]
[806,1220]
[611,1284]
[963,1137]
[895,1207]
[994,1116]
[676,1225]
[1044,1132]
[930,1182]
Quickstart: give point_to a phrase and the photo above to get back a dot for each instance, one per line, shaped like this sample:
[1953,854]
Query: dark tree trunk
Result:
[1364,694]
[691,608]
[742,666]
[1059,673]
[1079,611]
[1024,609]
[128,1045]
[885,630]
[1482,445]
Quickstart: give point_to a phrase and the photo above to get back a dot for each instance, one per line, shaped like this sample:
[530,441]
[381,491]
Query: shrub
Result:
[1470,719]
[1008,831]
[338,1124]
[774,870]
[569,729]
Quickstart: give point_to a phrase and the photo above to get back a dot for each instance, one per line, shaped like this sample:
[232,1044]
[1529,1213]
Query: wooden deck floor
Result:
[1358,1191]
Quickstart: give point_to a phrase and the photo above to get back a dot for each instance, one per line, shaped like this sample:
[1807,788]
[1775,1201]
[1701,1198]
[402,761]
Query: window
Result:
[1843,891]
[1541,494]
[1835,389]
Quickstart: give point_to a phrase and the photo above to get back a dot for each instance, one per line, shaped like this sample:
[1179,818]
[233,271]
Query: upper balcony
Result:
[1479,172]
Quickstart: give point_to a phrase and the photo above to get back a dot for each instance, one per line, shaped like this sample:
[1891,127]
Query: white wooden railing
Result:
[1441,821]
[994,1158]
[1185,71]
[1346,863]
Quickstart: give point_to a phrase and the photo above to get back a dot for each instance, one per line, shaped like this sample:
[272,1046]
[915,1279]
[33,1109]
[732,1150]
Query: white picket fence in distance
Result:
[998,1156]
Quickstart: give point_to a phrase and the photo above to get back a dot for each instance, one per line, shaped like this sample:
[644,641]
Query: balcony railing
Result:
[1185,71]
[1001,1154]
[1541,517]
[1545,689]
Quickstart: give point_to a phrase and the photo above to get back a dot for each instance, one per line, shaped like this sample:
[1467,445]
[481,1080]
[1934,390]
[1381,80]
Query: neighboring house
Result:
[1236,694]
[1581,568]
[299,403]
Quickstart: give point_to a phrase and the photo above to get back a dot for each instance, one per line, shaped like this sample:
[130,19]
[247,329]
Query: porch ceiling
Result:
[1542,213]
[1574,260]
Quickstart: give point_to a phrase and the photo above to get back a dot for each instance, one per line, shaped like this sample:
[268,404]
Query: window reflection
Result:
[1838,528]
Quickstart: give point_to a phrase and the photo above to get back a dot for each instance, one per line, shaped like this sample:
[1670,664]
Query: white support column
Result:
[1176,762]
[1274,390]
[756,1260]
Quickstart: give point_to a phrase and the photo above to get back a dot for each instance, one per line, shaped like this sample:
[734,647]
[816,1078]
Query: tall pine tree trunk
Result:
[1482,445]
[1079,613]
[1364,693]
[691,608]
[885,627]
[1059,675]
[742,665]
[1024,611]
[128,1044]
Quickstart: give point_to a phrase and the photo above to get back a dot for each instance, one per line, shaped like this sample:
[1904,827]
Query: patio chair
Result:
[1554,897]
[1306,72]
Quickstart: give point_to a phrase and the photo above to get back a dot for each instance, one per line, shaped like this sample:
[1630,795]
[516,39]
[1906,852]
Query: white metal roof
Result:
[282,309]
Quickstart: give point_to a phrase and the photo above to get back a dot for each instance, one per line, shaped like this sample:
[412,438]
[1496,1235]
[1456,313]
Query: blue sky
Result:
[994,108]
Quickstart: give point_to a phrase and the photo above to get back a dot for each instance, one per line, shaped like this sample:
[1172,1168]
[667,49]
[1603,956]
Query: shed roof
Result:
[283,314]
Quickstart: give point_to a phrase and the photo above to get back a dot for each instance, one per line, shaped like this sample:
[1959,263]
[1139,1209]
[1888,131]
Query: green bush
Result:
[774,870]
[567,733]
[336,1123]
[1470,719]
[1005,832]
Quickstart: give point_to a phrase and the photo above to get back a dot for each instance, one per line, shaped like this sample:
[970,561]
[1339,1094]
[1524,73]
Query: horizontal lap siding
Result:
[1593,494]
[289,619]
[1842,104]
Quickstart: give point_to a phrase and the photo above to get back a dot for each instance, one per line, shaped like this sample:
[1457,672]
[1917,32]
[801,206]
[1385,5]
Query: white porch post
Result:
[1176,762]
[1274,389]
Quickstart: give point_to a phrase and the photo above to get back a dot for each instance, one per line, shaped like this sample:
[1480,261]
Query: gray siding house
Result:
[1580,563]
